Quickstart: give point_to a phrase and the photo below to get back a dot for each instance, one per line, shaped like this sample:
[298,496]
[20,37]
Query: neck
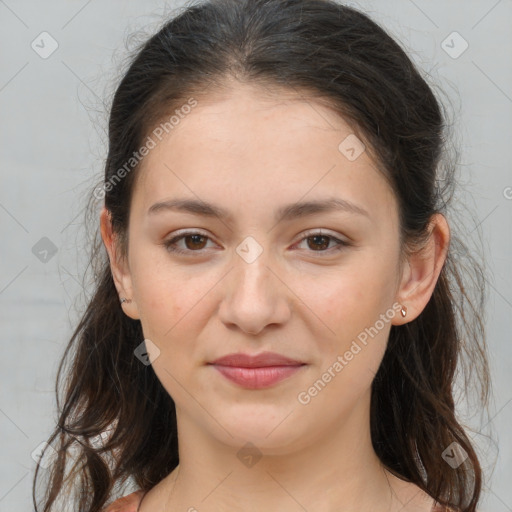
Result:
[335,470]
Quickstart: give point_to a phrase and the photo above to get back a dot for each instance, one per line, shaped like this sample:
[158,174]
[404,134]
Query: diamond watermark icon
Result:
[44,45]
[454,455]
[249,250]
[49,455]
[146,352]
[44,250]
[454,45]
[351,147]
[249,455]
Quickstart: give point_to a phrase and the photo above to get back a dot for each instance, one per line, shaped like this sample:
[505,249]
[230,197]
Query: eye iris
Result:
[195,237]
[316,238]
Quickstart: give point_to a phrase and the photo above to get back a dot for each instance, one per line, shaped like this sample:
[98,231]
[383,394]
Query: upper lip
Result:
[257,361]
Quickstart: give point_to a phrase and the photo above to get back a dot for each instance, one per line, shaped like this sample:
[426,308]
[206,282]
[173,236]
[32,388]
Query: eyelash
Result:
[170,244]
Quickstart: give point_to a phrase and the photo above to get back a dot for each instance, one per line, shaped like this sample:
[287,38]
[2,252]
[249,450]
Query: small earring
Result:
[125,300]
[403,311]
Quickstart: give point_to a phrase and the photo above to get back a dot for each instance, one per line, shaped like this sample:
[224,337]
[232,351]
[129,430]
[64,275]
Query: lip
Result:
[261,360]
[258,371]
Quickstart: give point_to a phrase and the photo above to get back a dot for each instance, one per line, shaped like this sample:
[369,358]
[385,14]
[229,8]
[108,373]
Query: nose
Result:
[255,297]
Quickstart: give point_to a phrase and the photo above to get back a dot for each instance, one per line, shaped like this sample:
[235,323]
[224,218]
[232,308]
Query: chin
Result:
[275,432]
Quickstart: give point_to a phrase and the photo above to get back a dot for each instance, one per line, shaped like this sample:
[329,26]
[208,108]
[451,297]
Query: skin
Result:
[250,154]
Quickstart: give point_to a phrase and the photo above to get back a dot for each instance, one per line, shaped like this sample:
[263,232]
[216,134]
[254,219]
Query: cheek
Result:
[166,306]
[353,295]
[354,346]
[162,295]
[350,303]
[169,304]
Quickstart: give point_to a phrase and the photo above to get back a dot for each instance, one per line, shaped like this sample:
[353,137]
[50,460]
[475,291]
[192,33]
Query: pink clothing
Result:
[131,503]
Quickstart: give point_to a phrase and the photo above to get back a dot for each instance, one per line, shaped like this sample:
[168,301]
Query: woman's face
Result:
[263,277]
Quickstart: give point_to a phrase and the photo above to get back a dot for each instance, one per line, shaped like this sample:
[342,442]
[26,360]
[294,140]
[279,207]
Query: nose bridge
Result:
[252,261]
[255,297]
[251,288]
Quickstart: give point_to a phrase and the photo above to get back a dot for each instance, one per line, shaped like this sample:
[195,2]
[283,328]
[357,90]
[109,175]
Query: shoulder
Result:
[129,503]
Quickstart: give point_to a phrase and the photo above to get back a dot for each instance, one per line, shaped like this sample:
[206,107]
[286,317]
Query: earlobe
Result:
[130,308]
[422,270]
[118,266]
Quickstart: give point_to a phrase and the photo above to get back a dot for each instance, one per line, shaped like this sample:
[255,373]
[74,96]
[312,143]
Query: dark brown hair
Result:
[336,55]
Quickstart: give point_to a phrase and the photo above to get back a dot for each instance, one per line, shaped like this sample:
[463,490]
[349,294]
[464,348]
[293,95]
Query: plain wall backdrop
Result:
[60,62]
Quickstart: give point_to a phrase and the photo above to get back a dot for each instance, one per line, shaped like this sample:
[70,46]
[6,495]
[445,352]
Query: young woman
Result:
[281,315]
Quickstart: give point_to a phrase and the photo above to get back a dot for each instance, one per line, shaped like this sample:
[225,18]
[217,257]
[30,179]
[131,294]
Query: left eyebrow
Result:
[284,213]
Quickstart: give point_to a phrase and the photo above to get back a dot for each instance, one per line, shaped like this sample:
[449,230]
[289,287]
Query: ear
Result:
[421,270]
[118,266]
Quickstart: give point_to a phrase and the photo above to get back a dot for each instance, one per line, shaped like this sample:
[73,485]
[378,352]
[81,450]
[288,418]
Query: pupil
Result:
[316,237]
[195,237]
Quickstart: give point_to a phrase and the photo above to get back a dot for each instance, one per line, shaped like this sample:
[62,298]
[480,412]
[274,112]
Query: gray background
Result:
[53,126]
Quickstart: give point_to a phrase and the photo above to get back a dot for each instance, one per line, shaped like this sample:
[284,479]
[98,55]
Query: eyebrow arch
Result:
[285,213]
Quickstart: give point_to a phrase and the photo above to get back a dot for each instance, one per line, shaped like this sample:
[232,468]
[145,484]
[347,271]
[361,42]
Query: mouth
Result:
[257,378]
[256,372]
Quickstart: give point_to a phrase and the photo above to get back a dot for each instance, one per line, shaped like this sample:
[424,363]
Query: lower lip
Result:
[257,378]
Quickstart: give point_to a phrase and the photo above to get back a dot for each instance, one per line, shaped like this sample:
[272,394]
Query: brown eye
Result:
[320,241]
[193,241]
[197,241]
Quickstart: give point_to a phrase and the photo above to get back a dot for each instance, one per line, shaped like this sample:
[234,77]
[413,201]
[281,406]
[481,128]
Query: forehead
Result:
[249,146]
